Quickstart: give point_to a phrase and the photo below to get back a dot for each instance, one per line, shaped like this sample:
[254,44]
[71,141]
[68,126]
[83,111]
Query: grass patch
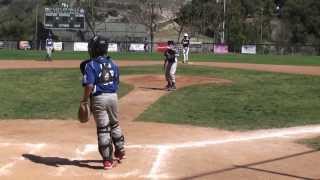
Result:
[236,58]
[255,100]
[69,55]
[313,143]
[259,59]
[42,94]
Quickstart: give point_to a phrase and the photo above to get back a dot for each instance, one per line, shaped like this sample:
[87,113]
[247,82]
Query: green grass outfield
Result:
[257,59]
[42,94]
[255,100]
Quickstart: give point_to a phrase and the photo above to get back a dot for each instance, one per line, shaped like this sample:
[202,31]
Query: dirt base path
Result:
[53,149]
[30,64]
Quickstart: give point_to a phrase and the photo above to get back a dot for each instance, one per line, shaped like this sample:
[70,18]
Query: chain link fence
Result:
[124,46]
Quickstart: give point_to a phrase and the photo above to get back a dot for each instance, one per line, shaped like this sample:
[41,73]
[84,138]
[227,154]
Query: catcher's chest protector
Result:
[107,74]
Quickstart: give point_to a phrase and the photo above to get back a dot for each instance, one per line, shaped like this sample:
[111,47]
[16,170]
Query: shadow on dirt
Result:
[58,161]
[249,167]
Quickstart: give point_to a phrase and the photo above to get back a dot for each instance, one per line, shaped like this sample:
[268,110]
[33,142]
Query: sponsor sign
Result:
[58,46]
[24,45]
[220,49]
[136,47]
[1,44]
[249,49]
[112,47]
[195,44]
[80,46]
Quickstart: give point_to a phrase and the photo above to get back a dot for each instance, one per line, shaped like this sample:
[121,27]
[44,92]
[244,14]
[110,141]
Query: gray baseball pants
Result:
[105,111]
[170,72]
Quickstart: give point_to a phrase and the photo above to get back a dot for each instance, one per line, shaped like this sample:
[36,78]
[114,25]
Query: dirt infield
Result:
[53,149]
[30,64]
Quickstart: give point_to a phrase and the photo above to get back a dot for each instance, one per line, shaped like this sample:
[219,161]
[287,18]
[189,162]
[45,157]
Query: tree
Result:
[146,14]
[18,20]
[247,21]
[201,17]
[302,19]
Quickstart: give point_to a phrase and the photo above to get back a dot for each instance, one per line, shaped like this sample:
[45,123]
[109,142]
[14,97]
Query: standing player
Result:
[170,66]
[101,81]
[185,47]
[49,47]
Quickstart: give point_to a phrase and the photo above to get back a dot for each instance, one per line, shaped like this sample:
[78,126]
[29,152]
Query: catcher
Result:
[101,81]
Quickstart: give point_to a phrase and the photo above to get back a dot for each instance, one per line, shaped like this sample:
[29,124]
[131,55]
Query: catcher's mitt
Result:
[84,111]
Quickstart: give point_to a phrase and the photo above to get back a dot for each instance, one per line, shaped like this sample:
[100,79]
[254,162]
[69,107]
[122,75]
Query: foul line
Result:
[156,166]
[164,149]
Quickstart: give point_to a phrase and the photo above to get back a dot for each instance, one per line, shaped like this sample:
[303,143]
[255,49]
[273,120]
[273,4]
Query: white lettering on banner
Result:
[112,47]
[249,49]
[57,46]
[80,46]
[136,47]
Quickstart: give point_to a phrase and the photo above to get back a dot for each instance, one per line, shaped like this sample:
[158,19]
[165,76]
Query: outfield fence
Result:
[195,47]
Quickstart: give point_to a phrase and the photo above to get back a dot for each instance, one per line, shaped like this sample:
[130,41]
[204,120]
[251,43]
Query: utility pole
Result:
[36,26]
[261,26]
[152,23]
[224,22]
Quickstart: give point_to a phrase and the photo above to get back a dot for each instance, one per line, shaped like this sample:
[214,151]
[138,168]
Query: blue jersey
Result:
[49,42]
[102,74]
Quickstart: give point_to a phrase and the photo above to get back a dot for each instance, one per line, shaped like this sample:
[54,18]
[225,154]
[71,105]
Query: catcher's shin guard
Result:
[104,143]
[119,152]
[117,136]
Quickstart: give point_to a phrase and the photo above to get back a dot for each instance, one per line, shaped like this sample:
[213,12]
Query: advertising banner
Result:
[58,46]
[1,44]
[220,49]
[80,46]
[195,44]
[136,47]
[249,49]
[112,47]
[196,47]
[24,45]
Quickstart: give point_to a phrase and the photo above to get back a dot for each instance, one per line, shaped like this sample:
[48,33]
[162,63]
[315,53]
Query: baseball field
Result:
[232,117]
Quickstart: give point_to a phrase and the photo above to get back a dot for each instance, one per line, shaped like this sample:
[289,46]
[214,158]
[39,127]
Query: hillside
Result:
[111,17]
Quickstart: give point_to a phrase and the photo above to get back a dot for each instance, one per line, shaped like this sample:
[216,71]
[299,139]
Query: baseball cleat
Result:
[173,88]
[107,165]
[119,155]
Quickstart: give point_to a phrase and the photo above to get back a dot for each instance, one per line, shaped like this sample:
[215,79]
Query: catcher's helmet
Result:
[97,46]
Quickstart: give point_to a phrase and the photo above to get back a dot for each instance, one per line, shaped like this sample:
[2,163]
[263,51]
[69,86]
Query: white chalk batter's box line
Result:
[246,136]
[164,149]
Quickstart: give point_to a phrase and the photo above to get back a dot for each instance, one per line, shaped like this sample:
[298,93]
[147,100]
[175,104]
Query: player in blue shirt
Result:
[49,47]
[101,82]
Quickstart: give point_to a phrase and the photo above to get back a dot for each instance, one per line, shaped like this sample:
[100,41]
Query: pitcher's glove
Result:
[84,112]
